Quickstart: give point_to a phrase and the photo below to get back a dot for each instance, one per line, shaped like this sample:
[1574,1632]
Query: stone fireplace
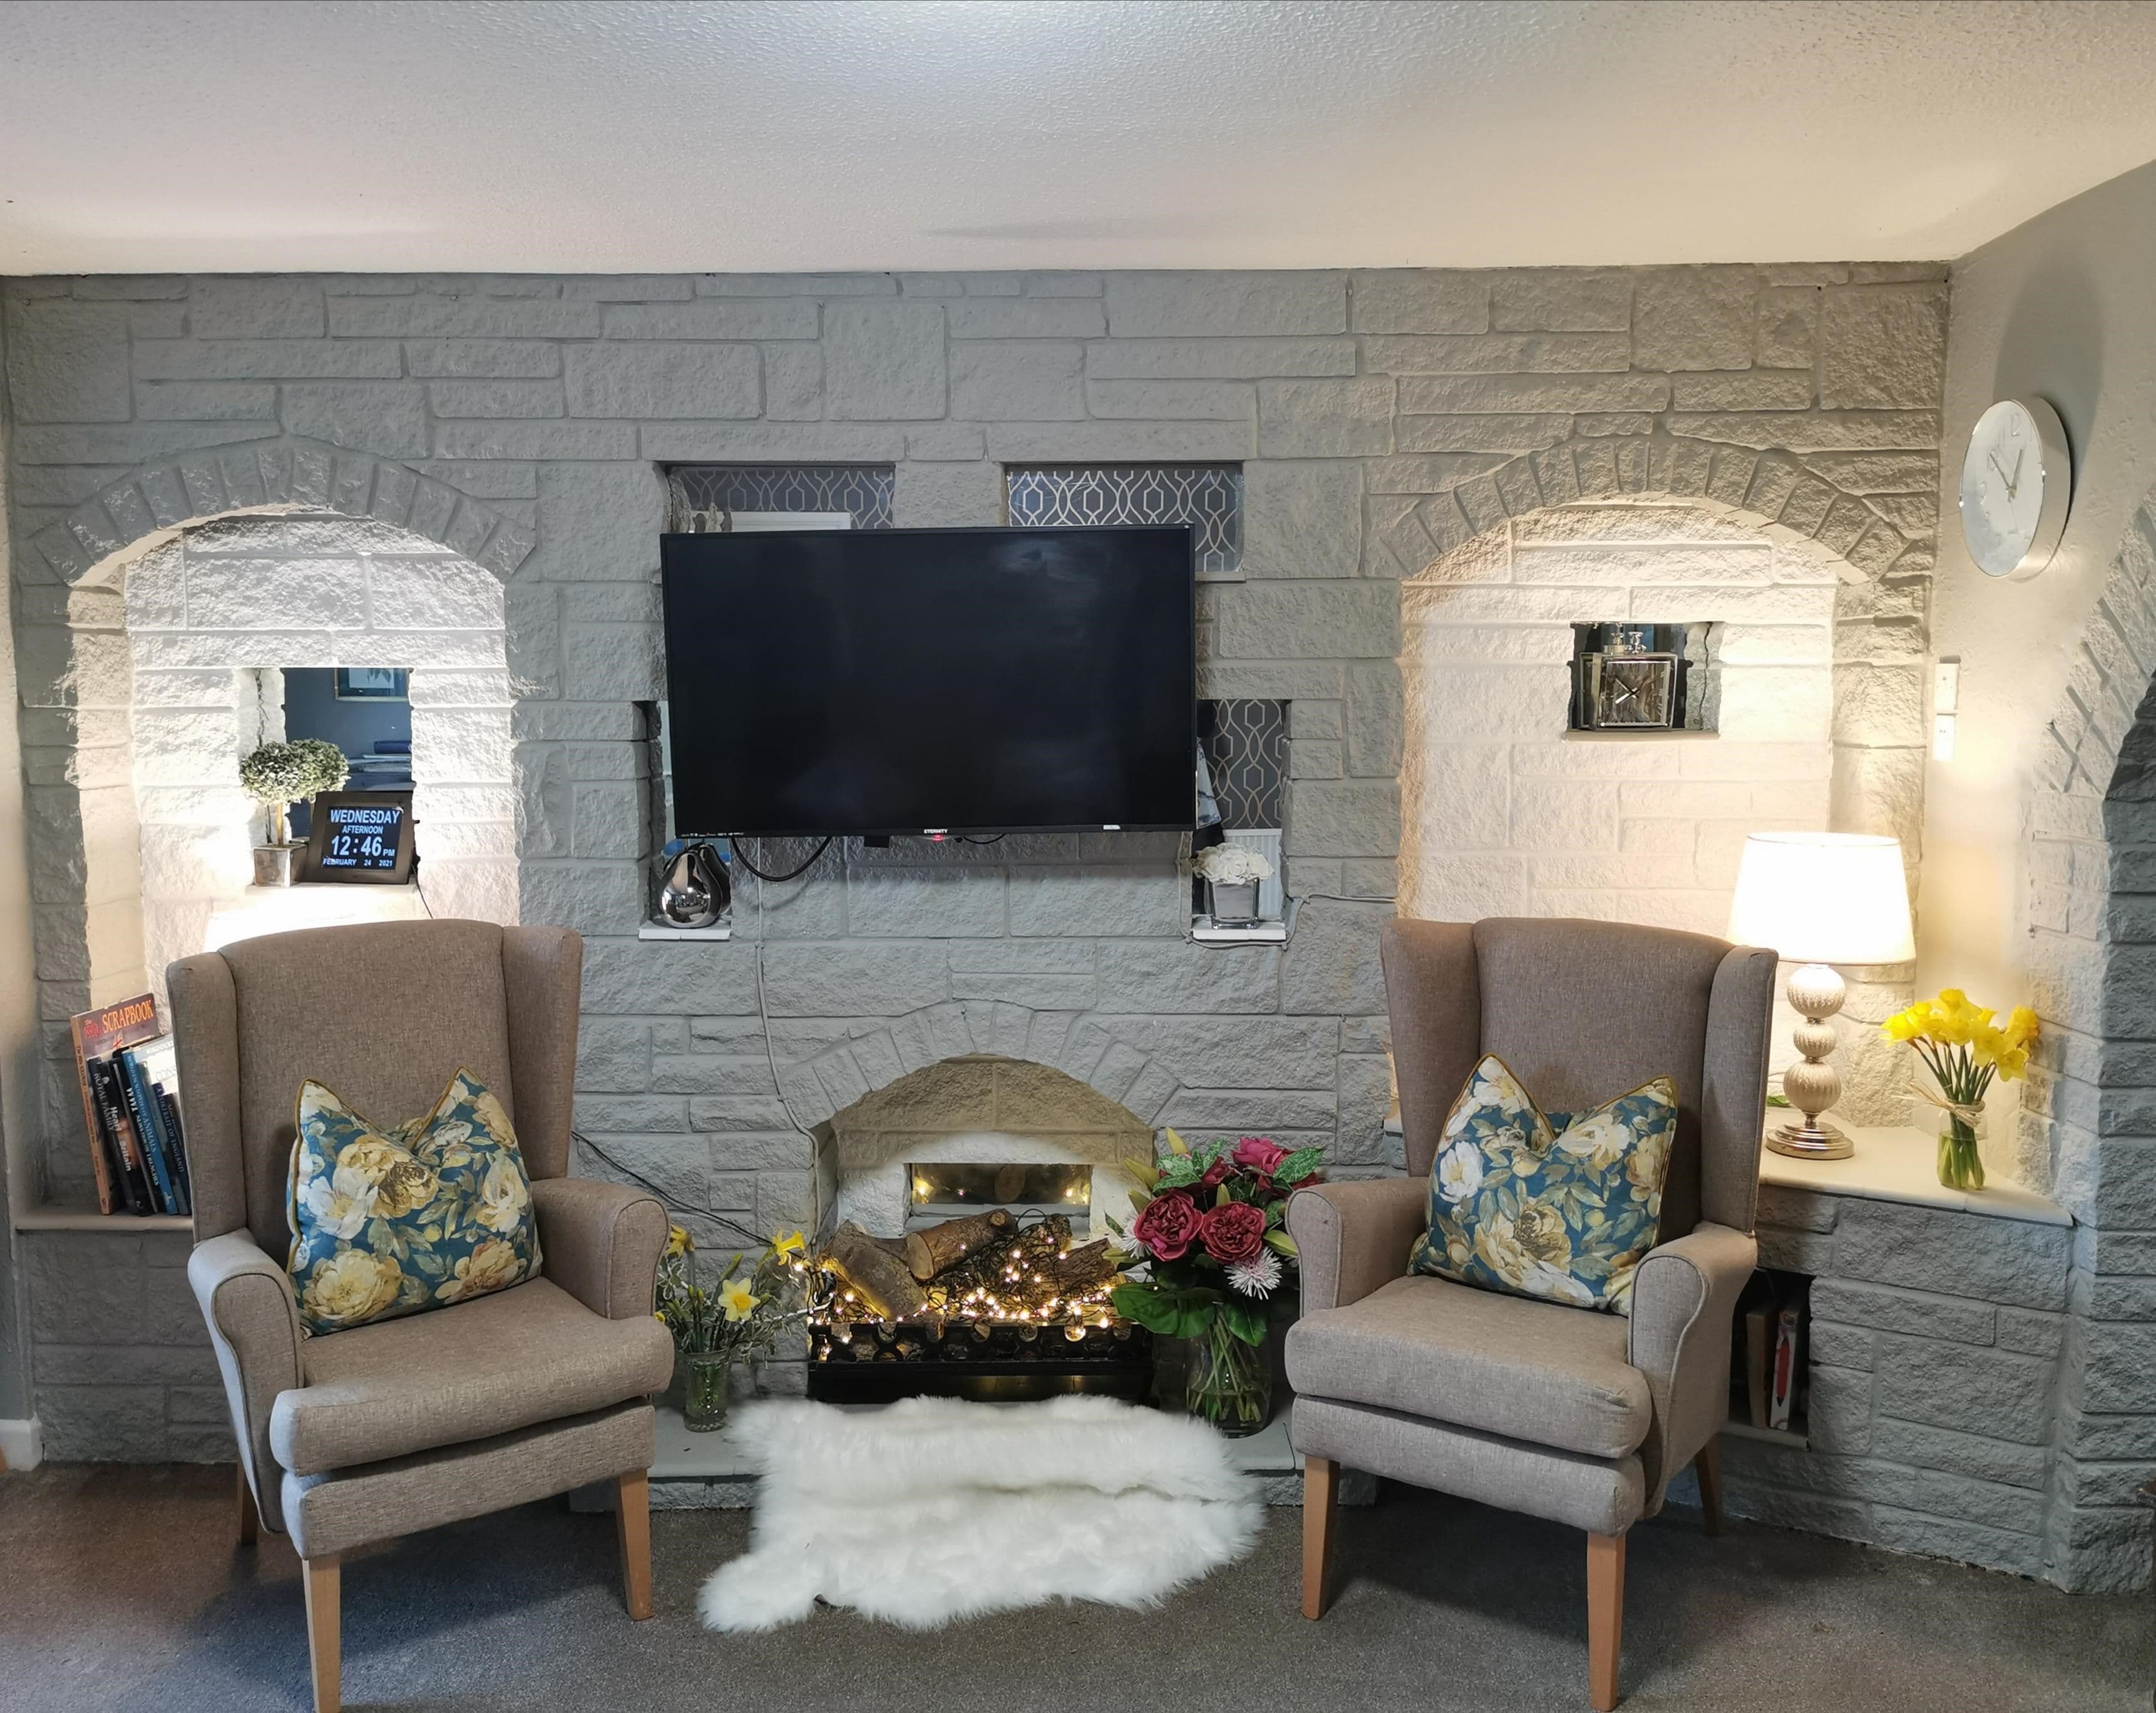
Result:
[978,1189]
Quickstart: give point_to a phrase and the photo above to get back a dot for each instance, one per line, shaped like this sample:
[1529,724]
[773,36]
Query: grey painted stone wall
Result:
[2088,1128]
[1381,418]
[1938,1341]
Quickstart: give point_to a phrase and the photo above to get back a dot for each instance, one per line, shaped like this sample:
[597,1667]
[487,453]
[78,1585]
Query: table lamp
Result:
[1820,899]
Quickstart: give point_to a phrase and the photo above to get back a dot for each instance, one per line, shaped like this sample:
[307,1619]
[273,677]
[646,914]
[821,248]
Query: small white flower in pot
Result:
[1231,874]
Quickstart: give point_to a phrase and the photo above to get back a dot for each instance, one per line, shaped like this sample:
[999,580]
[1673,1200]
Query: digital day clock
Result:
[360,836]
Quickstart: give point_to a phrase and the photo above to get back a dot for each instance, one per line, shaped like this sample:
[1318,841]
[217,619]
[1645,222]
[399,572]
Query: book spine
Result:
[1785,1370]
[101,1155]
[175,1138]
[106,1080]
[137,1097]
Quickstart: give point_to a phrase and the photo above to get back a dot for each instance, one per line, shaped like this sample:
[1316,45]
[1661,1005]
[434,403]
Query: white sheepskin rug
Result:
[936,1509]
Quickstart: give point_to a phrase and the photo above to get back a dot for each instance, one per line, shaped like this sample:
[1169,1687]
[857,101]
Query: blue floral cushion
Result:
[390,1219]
[1548,1205]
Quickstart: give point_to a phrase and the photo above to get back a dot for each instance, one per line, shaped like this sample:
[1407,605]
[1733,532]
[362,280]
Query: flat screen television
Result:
[911,681]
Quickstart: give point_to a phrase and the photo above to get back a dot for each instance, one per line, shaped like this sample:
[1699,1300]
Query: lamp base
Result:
[1813,1140]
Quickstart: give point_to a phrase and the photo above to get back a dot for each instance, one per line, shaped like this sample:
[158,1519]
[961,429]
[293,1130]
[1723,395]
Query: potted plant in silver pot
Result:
[1231,874]
[278,774]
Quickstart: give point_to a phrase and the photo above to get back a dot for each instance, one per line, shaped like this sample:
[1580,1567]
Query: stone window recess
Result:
[702,497]
[1207,497]
[1246,739]
[1685,654]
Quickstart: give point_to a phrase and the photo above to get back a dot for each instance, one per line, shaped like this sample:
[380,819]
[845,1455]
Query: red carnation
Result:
[1234,1232]
[1259,1154]
[1167,1225]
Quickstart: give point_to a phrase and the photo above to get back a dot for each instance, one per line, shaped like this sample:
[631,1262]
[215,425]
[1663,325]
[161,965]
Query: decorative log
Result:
[1084,1267]
[878,1277]
[943,1247]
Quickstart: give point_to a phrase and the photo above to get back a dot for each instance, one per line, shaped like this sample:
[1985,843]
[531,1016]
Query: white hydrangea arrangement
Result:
[278,774]
[1231,866]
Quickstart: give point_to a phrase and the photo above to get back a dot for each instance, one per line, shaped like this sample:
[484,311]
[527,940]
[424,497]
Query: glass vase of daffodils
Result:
[1965,1050]
[740,1314]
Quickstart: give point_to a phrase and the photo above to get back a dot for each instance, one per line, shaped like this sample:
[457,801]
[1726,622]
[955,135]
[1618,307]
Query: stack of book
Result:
[131,1107]
[1771,1325]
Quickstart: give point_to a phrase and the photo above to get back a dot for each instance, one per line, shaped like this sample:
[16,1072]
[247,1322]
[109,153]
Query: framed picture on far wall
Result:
[371,684]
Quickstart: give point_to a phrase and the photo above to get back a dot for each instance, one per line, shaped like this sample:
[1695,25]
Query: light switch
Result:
[1942,737]
[1946,684]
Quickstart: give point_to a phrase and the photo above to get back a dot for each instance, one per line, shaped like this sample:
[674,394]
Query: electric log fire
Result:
[999,1305]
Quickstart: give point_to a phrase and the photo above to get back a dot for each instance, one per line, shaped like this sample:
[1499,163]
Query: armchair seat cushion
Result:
[1542,1372]
[490,1366]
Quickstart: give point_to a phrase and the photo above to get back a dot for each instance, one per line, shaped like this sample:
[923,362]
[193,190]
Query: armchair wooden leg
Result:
[1605,1617]
[1708,1465]
[632,1516]
[250,1520]
[320,1577]
[1320,1510]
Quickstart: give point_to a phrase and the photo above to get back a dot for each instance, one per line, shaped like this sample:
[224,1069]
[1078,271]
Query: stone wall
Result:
[1937,1342]
[1381,420]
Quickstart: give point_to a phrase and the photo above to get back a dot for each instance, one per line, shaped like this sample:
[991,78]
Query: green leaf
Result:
[1143,1172]
[1171,1311]
[1281,1242]
[1299,1165]
[1245,1319]
[1178,1171]
[1176,1145]
[1221,1198]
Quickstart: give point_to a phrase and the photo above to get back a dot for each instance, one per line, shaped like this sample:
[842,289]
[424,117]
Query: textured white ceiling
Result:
[833,134]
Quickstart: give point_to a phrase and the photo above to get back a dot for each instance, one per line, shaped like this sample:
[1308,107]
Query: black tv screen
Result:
[911,681]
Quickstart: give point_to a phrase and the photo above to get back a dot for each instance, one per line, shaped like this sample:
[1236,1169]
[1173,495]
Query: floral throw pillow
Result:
[1548,1205]
[391,1219]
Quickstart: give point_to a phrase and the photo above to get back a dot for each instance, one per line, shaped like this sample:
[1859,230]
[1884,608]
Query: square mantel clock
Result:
[361,836]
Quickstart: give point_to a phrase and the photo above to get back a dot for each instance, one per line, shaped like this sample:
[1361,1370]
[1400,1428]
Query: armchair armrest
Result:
[600,1243]
[1683,1299]
[1352,1237]
[253,1320]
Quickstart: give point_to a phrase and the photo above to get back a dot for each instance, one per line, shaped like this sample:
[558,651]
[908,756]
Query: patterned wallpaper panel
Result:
[1207,497]
[699,495]
[1246,747]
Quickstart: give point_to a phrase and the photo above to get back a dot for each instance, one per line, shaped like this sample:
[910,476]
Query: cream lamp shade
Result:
[1824,898]
[1820,899]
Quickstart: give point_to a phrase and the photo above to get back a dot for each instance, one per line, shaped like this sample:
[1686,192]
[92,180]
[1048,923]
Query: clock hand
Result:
[2014,481]
[2003,475]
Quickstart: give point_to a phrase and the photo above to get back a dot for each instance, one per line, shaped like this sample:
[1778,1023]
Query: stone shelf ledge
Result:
[1892,1163]
[723,929]
[703,1472]
[89,1219]
[1900,1164]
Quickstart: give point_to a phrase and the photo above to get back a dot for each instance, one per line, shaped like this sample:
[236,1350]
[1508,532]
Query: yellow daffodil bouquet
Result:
[1965,1049]
[740,1313]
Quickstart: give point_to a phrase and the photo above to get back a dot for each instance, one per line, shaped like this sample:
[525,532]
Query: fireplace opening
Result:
[989,1274]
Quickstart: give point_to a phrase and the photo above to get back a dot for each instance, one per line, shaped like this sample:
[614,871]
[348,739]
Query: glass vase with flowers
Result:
[1205,1256]
[1965,1050]
[741,1316]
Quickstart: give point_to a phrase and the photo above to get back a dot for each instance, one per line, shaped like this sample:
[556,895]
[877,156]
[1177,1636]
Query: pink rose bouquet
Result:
[1207,1247]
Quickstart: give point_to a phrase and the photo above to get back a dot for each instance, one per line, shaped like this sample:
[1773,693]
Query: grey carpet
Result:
[121,1592]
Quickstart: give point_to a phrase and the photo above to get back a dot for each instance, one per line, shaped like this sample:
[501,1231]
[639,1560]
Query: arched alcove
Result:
[138,831]
[1506,812]
[214,619]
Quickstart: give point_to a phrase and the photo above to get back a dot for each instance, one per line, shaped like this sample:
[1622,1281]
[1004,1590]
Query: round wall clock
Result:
[2016,484]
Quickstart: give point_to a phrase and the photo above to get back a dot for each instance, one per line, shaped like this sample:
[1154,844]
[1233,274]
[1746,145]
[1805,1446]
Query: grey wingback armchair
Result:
[1566,1414]
[407,1424]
